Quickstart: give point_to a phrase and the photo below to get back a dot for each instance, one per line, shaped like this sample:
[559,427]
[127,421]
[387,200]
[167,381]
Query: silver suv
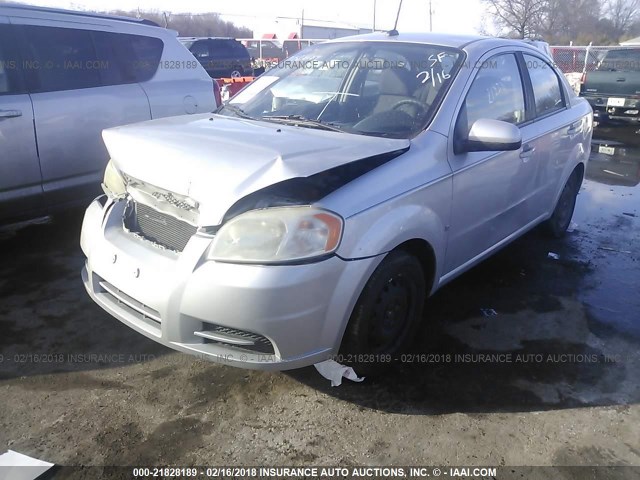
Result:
[314,213]
[64,77]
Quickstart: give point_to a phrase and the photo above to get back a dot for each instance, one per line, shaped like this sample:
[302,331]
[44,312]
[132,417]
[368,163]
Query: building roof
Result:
[633,41]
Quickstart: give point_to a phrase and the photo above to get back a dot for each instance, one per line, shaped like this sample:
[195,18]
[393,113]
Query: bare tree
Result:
[520,18]
[571,20]
[192,25]
[622,13]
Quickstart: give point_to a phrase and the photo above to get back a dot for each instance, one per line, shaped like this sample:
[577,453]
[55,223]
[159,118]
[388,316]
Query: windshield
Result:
[386,89]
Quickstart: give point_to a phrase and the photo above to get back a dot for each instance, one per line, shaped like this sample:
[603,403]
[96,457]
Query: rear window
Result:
[59,59]
[198,49]
[627,60]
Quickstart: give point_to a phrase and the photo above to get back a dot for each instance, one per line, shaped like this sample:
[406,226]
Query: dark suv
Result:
[220,57]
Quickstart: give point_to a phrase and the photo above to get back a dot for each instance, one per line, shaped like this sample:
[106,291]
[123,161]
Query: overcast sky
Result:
[452,16]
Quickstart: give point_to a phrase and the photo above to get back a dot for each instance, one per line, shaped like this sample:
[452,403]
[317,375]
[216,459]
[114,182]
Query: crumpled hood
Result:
[218,160]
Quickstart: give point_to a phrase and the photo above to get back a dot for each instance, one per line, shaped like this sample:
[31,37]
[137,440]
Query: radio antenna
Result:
[394,32]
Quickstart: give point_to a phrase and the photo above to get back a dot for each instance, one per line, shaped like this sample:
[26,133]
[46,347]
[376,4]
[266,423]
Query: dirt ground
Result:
[552,379]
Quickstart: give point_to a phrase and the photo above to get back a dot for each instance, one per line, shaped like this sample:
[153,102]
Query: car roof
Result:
[193,39]
[17,7]
[443,39]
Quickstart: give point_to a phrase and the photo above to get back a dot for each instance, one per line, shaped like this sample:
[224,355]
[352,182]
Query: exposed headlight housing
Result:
[277,235]
[113,184]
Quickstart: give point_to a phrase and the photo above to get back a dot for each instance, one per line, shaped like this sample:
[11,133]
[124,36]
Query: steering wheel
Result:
[419,106]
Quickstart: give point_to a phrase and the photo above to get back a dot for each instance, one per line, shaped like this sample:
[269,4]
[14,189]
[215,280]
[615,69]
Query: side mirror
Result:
[492,135]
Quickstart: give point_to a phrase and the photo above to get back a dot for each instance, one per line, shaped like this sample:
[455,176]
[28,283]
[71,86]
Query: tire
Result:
[387,314]
[560,220]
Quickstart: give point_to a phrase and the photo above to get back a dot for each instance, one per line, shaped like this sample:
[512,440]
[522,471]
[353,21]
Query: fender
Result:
[369,234]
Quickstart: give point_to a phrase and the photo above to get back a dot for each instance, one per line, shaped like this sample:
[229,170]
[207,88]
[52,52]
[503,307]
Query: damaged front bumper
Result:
[250,316]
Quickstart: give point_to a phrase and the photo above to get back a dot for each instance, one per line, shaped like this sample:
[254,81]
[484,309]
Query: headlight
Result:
[281,234]
[113,184]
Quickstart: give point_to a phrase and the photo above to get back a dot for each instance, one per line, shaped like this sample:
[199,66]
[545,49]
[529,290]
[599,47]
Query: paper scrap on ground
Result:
[16,466]
[332,370]
[555,256]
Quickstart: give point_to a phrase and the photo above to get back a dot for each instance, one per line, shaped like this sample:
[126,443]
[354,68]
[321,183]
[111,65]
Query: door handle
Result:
[527,152]
[10,113]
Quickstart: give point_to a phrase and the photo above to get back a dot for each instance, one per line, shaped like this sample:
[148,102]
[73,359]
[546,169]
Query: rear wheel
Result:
[387,313]
[559,222]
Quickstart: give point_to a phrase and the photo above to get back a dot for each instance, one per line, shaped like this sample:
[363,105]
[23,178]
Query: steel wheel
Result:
[388,310]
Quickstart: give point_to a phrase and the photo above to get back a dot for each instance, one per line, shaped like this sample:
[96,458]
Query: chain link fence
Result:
[574,61]
[579,59]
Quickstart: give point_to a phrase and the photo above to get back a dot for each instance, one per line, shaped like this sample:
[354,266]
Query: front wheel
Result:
[387,313]
[559,222]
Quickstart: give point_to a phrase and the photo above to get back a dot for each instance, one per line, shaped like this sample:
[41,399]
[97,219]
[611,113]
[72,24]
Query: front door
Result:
[489,188]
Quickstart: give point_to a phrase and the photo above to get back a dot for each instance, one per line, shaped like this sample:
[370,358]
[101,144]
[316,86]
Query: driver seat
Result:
[393,88]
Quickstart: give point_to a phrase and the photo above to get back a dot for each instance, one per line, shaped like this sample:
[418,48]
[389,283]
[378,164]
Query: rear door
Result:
[78,88]
[554,134]
[228,57]
[20,180]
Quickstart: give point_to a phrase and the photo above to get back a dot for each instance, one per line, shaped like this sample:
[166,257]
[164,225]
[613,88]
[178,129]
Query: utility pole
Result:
[430,16]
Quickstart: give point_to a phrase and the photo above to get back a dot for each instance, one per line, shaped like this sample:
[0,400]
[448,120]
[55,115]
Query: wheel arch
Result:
[424,252]
[580,171]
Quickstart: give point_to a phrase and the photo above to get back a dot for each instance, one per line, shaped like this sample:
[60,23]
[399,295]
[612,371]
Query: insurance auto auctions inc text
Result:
[376,472]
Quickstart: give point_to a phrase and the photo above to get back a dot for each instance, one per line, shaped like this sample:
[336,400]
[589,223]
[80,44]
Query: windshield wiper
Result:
[302,121]
[236,110]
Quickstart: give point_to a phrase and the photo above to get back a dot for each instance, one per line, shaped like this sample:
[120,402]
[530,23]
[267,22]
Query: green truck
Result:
[613,88]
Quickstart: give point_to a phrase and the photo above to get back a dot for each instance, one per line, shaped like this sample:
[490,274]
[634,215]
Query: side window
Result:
[146,53]
[10,79]
[60,59]
[114,57]
[200,49]
[496,93]
[546,85]
[124,58]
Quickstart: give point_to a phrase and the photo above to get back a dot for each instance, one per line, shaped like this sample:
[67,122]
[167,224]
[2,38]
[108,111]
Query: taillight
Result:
[216,93]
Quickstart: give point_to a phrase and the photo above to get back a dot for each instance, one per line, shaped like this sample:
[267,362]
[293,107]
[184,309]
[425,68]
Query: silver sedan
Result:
[314,214]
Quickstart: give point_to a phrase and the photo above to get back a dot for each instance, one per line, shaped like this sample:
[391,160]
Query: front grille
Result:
[158,227]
